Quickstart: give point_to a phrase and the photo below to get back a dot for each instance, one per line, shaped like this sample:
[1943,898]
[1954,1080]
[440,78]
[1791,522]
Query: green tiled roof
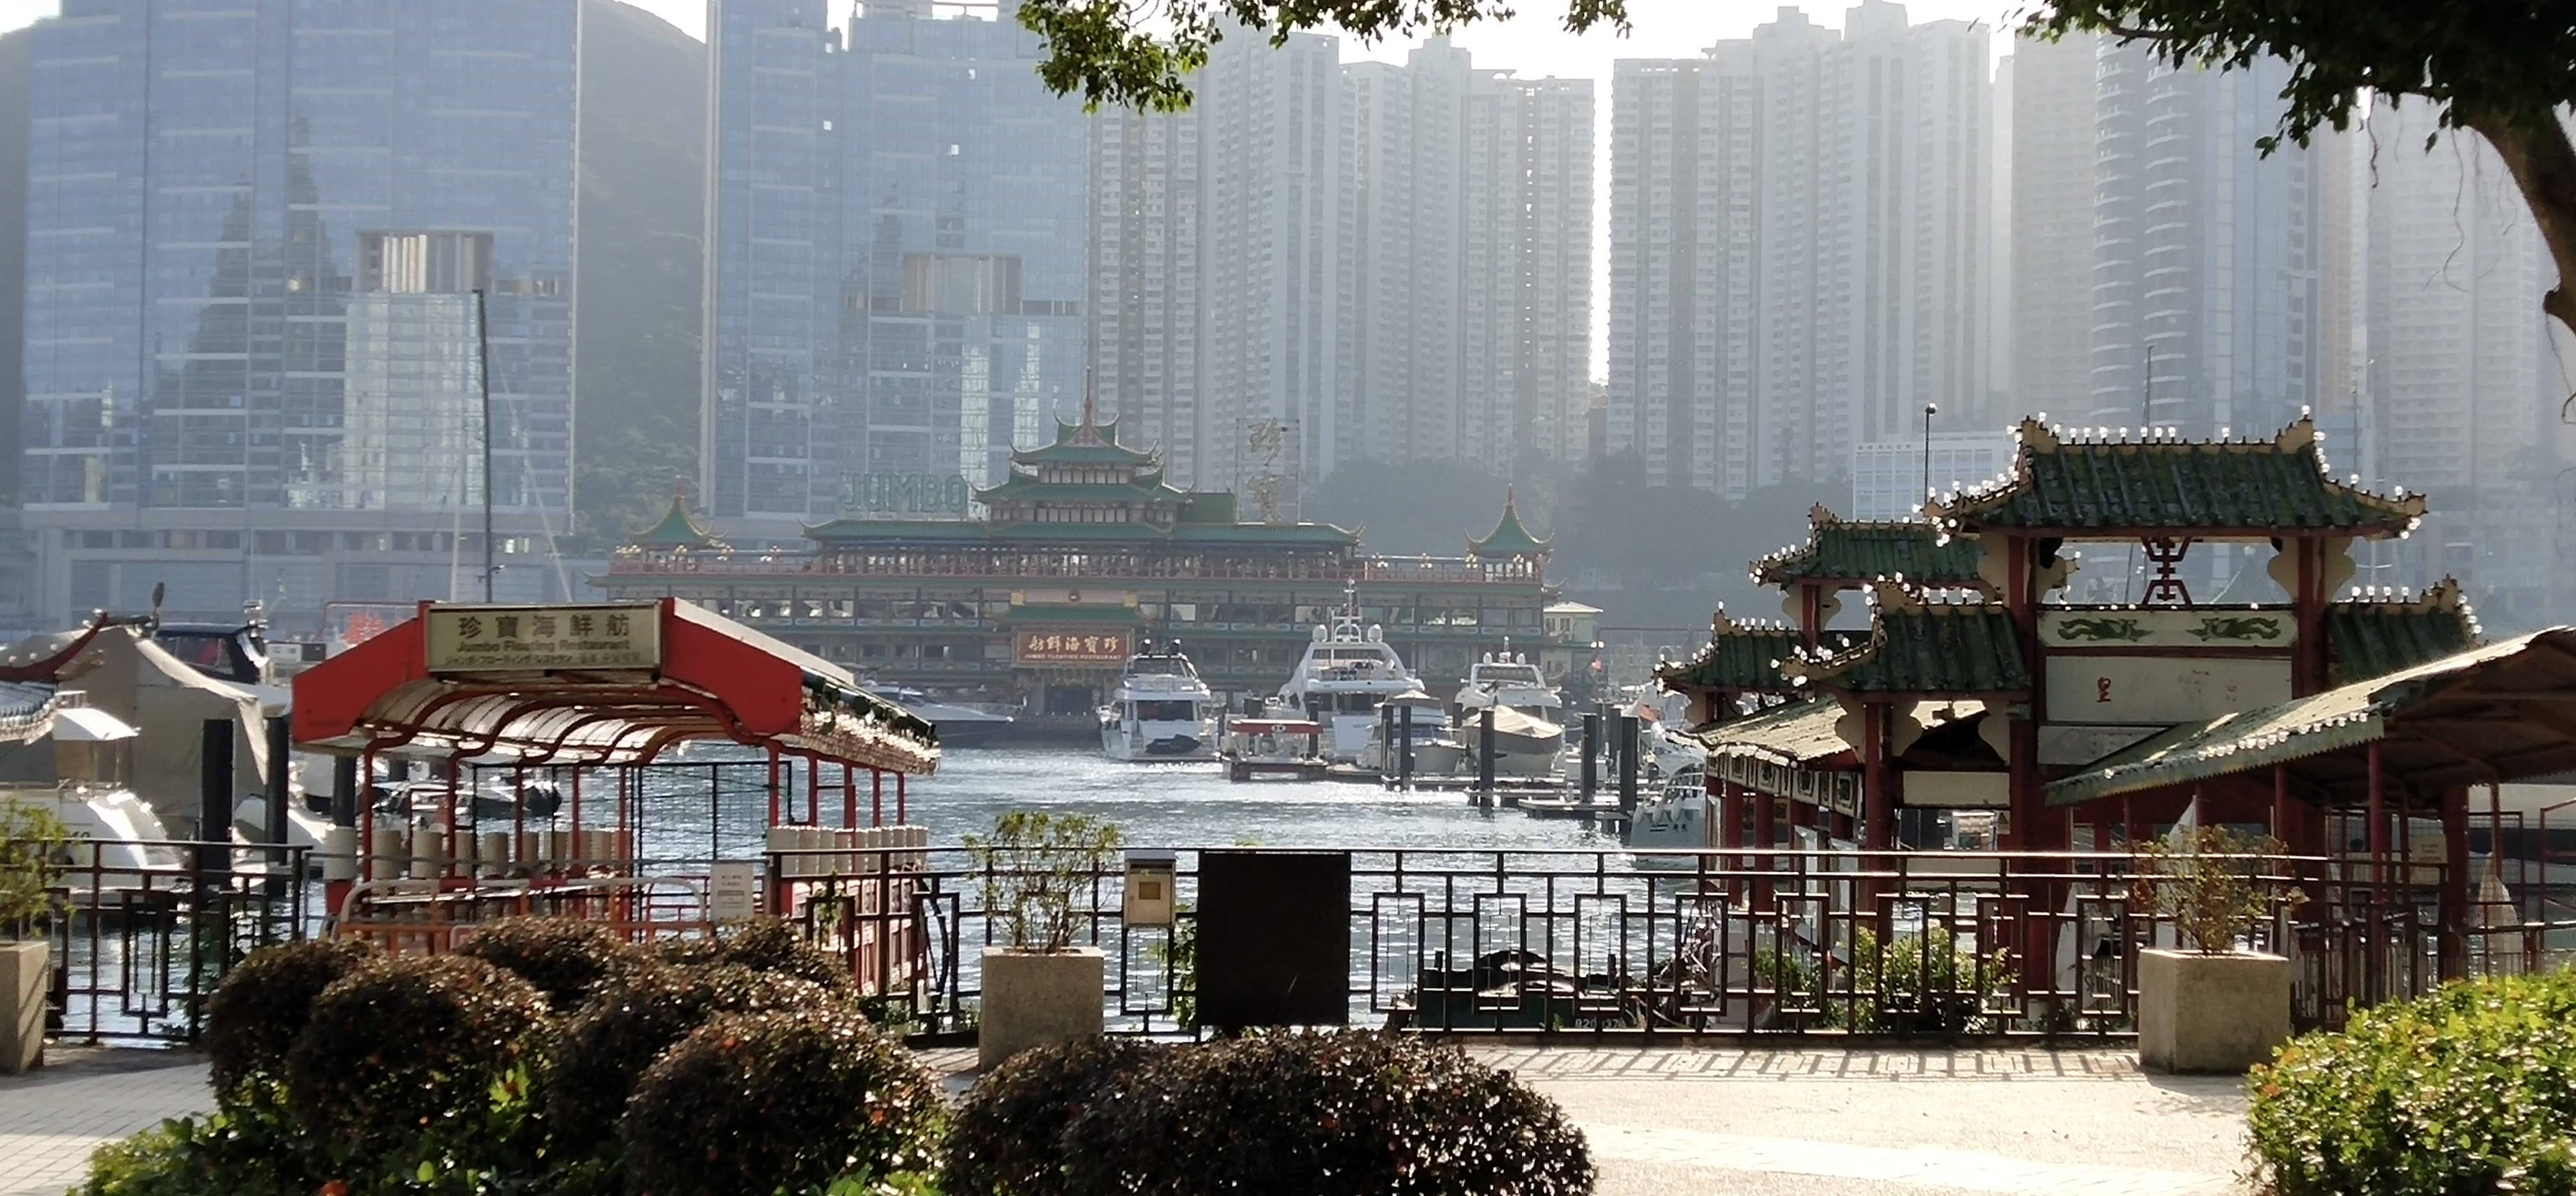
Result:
[2373,637]
[899,531]
[1025,489]
[1743,657]
[1915,647]
[1509,538]
[677,529]
[1864,552]
[2152,485]
[1085,443]
[1264,533]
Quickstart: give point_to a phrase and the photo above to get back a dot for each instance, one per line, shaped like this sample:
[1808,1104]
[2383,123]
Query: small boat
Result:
[958,724]
[1529,717]
[1258,749]
[1436,750]
[1675,818]
[1345,675]
[1160,710]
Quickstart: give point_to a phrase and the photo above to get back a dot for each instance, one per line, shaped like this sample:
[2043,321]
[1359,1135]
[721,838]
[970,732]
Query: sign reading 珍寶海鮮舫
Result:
[1071,647]
[461,639]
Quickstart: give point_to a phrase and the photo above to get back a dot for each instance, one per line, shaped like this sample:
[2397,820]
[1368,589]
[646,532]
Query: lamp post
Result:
[1929,410]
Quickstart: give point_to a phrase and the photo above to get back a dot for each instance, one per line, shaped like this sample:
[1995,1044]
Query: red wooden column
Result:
[1765,843]
[2281,805]
[2455,882]
[2378,832]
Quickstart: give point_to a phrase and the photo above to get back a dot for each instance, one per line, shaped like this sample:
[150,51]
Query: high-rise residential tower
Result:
[2207,268]
[1525,293]
[255,234]
[1146,268]
[2051,244]
[897,270]
[1798,246]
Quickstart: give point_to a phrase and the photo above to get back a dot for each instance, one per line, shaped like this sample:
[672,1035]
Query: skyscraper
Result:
[1798,246]
[1683,353]
[2051,248]
[897,245]
[1525,305]
[2207,256]
[1145,310]
[254,237]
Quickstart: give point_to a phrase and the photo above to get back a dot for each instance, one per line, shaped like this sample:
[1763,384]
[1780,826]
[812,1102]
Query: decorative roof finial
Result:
[1090,400]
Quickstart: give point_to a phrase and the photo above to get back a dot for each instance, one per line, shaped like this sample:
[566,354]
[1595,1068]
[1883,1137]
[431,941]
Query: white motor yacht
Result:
[1344,677]
[1436,750]
[1160,710]
[1675,818]
[1529,717]
[958,724]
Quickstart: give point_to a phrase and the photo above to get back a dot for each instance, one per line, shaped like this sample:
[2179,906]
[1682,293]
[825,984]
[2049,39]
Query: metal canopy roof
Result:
[706,677]
[2500,713]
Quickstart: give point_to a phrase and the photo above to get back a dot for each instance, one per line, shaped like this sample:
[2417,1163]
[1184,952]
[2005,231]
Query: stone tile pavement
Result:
[1712,1121]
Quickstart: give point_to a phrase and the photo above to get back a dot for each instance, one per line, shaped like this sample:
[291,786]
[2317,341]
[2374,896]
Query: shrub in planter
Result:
[566,958]
[256,1013]
[407,1047]
[772,945]
[1008,1136]
[619,1034]
[1343,1114]
[762,1102]
[2470,1089]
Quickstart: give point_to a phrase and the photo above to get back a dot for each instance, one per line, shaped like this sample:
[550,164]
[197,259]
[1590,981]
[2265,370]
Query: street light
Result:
[1929,410]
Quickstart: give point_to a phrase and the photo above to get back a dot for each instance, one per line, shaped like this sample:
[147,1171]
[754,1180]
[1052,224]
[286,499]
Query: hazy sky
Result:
[1532,45]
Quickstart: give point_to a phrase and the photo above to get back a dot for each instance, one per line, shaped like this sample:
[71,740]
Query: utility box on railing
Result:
[1150,873]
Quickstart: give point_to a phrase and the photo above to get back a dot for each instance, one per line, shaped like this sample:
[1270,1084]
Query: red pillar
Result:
[2455,882]
[2378,832]
[902,813]
[1765,843]
[1878,802]
[849,798]
[876,797]
[2281,804]
[773,784]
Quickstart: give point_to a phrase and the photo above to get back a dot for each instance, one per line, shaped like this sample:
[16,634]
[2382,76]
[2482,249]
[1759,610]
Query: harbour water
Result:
[1174,805]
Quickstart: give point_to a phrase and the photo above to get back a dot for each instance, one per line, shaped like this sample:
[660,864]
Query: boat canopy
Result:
[595,685]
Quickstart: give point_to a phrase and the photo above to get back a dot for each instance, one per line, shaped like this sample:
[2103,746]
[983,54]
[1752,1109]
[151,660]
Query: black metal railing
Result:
[137,947]
[1742,942]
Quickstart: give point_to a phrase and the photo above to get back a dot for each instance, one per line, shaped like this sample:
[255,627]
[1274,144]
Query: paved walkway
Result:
[1712,1122]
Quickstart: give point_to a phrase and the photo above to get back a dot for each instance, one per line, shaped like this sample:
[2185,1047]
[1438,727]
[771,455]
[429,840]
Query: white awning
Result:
[82,724]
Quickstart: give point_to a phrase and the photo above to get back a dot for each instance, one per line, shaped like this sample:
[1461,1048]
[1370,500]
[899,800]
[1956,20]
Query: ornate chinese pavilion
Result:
[2332,718]
[1083,549]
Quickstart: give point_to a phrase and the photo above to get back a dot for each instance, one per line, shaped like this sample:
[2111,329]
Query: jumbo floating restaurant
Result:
[1083,551]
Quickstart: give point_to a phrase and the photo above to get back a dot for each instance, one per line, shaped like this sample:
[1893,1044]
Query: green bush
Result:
[776,945]
[620,1033]
[407,1049]
[566,958]
[1008,1137]
[1922,983]
[2470,1089]
[189,1157]
[763,1102]
[255,1014]
[1342,1114]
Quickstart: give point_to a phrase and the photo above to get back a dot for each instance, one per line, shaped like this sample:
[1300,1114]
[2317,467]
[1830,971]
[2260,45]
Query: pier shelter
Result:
[512,711]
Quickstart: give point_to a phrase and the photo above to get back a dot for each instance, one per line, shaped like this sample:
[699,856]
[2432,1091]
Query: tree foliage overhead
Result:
[1140,53]
[2505,70]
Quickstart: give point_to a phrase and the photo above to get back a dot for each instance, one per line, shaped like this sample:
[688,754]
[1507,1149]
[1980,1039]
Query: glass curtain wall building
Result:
[897,222]
[254,234]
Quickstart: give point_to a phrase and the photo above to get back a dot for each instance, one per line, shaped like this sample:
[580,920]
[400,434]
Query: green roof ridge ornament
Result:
[678,529]
[1509,538]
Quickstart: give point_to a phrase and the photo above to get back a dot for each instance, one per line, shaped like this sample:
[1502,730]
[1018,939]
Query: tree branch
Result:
[2536,149]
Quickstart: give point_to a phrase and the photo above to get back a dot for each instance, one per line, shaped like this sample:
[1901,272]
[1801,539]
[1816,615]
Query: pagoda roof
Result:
[1509,538]
[1086,443]
[1920,647]
[2376,635]
[1027,489]
[1743,657]
[678,529]
[1795,734]
[1862,552]
[2161,485]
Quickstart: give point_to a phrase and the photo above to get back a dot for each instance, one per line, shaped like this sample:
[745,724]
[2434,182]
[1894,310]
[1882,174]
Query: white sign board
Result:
[2160,689]
[2061,743]
[462,639]
[733,890]
[2203,630]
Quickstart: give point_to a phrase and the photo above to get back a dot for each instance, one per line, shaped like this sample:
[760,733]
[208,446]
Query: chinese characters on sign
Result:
[471,638]
[1072,647]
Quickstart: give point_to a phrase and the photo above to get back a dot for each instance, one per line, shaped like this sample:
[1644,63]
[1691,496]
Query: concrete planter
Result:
[26,972]
[2211,1013]
[1031,999]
